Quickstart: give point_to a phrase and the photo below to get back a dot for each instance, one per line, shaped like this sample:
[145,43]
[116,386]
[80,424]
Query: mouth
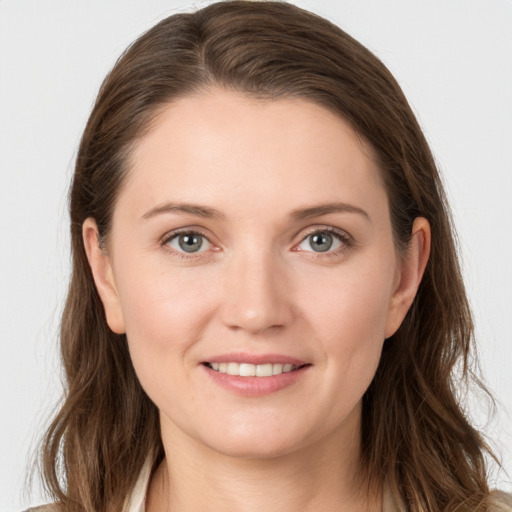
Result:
[255,375]
[253,370]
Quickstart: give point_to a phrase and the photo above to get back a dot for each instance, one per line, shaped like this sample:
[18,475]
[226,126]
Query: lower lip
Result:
[256,386]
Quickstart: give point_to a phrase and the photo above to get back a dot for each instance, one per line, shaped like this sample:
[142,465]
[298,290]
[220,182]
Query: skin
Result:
[258,286]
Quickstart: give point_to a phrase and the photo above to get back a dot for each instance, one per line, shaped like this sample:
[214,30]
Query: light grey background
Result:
[454,61]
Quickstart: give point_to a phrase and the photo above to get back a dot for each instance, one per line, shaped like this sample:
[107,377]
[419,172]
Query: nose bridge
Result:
[255,291]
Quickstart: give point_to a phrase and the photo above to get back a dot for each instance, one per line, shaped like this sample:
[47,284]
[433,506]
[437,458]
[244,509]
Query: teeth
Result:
[233,369]
[264,370]
[252,370]
[247,370]
[277,368]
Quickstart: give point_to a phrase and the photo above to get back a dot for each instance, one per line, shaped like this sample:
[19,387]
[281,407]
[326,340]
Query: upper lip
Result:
[239,357]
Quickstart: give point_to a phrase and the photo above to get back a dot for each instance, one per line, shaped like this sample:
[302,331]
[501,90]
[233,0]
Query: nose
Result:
[256,294]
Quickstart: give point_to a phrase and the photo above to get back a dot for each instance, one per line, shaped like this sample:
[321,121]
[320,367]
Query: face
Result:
[252,266]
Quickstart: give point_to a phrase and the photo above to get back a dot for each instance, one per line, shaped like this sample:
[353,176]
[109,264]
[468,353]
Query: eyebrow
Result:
[192,209]
[295,215]
[325,209]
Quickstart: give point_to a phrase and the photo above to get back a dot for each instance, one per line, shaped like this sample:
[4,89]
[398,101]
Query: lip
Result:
[241,357]
[255,386]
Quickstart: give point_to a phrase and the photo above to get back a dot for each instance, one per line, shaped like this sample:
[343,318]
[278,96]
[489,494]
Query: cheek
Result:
[348,312]
[350,304]
[165,312]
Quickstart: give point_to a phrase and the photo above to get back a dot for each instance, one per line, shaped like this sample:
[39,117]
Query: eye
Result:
[324,241]
[189,242]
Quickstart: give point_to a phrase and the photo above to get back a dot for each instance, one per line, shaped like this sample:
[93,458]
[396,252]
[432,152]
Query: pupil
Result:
[190,243]
[321,242]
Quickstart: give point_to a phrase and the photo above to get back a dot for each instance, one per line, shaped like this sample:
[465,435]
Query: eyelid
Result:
[165,239]
[345,238]
[180,231]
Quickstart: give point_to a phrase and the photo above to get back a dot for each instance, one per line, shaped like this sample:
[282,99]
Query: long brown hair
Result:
[416,437]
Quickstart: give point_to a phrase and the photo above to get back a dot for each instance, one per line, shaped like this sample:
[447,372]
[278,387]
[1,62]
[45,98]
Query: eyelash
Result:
[170,236]
[344,238]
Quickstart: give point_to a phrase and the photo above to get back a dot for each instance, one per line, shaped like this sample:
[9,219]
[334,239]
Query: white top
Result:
[502,502]
[136,502]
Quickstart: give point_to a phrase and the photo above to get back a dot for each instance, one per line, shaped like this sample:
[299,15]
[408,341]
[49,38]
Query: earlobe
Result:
[412,268]
[102,272]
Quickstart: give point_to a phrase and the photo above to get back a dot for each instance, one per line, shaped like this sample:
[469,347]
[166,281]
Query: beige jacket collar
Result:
[136,502]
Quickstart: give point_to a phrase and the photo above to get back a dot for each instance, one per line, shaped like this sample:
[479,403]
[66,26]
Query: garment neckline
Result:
[136,501]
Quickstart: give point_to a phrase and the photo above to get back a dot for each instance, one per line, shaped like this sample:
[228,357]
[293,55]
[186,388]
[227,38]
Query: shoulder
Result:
[44,508]
[500,502]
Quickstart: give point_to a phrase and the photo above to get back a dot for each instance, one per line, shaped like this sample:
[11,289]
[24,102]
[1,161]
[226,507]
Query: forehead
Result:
[229,147]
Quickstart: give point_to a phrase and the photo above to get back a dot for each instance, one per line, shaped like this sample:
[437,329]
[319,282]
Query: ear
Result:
[102,272]
[411,269]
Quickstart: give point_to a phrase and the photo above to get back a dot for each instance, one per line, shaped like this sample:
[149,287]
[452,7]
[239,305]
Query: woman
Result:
[266,308]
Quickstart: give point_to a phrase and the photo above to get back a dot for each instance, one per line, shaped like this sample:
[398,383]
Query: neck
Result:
[310,479]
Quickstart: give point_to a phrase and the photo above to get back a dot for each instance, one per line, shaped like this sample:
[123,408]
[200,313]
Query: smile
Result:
[252,370]
[255,375]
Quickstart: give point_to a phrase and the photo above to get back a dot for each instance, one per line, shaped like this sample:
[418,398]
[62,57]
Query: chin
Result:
[257,442]
[242,449]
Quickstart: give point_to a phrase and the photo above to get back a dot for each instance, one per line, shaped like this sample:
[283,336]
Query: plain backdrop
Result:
[454,62]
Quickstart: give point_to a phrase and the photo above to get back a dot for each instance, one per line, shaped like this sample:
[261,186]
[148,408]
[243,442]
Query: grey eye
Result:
[321,242]
[188,242]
